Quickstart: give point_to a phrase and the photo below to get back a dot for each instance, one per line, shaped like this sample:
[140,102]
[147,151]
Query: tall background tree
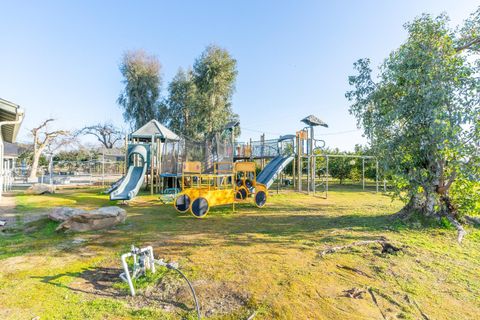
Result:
[199,101]
[422,115]
[182,111]
[106,133]
[214,74]
[142,80]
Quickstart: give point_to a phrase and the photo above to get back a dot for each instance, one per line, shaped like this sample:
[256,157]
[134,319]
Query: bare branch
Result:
[468,45]
[107,134]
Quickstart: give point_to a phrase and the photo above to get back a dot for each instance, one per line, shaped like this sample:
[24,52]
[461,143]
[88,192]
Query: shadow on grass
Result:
[97,281]
[103,282]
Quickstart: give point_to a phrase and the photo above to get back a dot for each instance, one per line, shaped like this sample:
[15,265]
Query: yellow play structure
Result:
[229,183]
[246,184]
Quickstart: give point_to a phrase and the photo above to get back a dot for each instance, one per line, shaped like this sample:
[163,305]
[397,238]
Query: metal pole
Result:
[299,160]
[376,176]
[363,173]
[126,156]
[151,164]
[294,178]
[103,167]
[51,168]
[326,189]
[312,162]
[309,153]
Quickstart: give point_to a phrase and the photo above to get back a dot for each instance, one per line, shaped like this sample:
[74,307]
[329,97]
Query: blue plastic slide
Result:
[133,180]
[273,169]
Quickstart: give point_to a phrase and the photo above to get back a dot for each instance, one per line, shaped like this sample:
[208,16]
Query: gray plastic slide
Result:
[114,185]
[273,169]
[133,180]
[129,187]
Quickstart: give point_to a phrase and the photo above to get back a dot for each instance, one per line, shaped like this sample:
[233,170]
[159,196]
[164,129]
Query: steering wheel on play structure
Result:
[248,183]
[239,182]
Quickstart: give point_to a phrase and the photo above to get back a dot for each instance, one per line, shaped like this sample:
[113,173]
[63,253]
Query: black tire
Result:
[260,198]
[182,203]
[241,194]
[199,207]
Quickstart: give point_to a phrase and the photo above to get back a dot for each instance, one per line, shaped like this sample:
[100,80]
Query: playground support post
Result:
[103,167]
[126,155]
[363,173]
[151,166]
[299,163]
[326,184]
[313,160]
[159,165]
[262,152]
[294,167]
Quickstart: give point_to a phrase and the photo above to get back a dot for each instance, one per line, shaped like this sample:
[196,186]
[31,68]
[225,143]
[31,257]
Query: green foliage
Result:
[199,102]
[27,155]
[142,80]
[214,74]
[465,193]
[75,155]
[182,110]
[421,116]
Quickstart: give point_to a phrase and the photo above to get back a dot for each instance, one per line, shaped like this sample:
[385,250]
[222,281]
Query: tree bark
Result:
[36,159]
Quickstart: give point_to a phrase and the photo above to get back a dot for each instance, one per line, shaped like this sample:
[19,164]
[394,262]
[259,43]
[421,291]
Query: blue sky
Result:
[60,58]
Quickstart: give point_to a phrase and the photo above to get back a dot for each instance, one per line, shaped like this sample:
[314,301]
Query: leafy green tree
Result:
[182,112]
[422,112]
[142,80]
[214,74]
[76,155]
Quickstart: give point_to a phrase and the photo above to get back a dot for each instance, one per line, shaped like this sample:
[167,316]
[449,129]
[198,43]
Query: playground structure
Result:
[197,175]
[150,154]
[229,183]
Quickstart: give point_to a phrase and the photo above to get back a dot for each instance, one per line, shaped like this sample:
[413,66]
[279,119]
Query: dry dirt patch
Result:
[171,293]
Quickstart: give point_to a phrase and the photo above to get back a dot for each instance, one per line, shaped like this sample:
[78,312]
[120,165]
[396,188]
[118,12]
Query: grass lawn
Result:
[264,260]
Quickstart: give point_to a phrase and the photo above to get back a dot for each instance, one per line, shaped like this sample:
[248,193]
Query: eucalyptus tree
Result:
[142,80]
[182,113]
[214,75]
[421,114]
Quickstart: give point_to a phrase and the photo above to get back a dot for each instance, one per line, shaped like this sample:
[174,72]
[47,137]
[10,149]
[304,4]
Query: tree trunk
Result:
[33,171]
[37,152]
[415,204]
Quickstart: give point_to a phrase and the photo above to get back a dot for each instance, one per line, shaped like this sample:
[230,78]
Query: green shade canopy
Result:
[155,129]
[313,121]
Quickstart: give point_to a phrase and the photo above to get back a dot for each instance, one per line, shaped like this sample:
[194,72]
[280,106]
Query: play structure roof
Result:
[313,121]
[10,112]
[156,129]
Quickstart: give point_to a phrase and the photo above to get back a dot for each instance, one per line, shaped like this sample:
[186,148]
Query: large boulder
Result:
[98,219]
[61,214]
[40,188]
